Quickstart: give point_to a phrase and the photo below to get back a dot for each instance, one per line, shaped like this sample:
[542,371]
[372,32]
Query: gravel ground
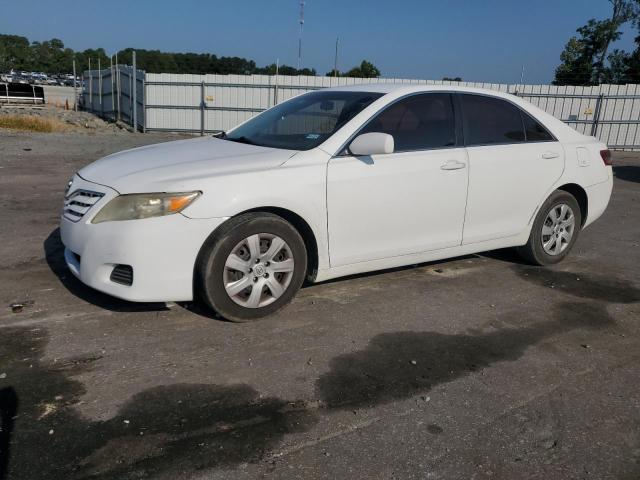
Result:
[475,368]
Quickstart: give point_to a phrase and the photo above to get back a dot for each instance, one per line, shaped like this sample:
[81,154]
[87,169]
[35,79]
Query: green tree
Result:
[364,70]
[622,12]
[14,53]
[617,70]
[584,59]
[632,65]
[576,67]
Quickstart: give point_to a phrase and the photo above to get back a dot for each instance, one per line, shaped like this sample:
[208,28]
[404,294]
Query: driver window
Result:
[418,122]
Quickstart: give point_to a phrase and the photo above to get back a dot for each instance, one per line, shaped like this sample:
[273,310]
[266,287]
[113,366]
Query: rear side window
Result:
[490,120]
[418,122]
[534,131]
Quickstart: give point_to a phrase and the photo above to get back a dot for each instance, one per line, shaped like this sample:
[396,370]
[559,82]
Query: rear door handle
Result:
[550,155]
[453,165]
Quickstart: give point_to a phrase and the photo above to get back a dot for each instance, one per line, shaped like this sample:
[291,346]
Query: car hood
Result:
[178,165]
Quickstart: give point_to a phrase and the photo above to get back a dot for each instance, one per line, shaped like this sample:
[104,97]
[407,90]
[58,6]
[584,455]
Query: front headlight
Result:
[144,205]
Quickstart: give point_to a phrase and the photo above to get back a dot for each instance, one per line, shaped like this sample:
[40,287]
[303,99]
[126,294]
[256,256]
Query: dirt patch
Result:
[32,123]
[50,119]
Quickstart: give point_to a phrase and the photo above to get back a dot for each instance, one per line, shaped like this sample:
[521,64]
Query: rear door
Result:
[513,162]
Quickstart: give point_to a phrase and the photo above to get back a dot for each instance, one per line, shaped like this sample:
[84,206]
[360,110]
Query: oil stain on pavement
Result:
[399,365]
[191,427]
[163,429]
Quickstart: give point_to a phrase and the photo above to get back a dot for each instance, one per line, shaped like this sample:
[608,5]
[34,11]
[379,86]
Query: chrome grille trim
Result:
[78,203]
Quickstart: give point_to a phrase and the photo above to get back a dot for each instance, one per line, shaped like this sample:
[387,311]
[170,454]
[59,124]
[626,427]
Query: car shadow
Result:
[8,411]
[54,255]
[507,255]
[630,173]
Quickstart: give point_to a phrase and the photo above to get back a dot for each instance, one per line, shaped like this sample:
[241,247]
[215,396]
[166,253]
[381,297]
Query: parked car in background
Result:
[332,183]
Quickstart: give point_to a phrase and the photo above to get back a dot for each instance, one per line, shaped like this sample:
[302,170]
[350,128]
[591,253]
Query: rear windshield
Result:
[304,122]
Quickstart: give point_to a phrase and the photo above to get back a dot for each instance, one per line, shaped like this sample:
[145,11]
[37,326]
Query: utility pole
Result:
[522,75]
[335,59]
[300,37]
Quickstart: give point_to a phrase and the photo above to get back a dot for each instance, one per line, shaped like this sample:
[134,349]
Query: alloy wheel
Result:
[258,270]
[558,229]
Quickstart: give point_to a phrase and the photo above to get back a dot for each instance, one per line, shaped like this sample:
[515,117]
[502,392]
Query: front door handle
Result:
[550,155]
[453,165]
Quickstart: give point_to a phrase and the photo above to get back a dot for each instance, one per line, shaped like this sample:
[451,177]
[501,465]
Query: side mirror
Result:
[373,143]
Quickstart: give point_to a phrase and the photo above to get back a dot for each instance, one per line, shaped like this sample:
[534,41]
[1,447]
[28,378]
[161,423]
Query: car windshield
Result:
[304,122]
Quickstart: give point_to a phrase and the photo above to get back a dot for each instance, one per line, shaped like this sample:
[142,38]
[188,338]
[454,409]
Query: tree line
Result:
[52,56]
[587,59]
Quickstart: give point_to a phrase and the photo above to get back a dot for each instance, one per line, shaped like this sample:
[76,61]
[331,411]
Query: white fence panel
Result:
[109,93]
[212,103]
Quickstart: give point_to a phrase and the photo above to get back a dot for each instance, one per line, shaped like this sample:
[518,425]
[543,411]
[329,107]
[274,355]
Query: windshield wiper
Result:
[220,134]
[242,139]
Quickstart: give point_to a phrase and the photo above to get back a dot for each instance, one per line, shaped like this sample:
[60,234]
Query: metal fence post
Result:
[202,108]
[134,94]
[118,87]
[596,115]
[100,88]
[75,87]
[90,88]
[275,88]
[144,102]
[113,100]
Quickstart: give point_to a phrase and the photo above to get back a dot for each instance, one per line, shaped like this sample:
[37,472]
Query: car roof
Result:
[561,130]
[415,88]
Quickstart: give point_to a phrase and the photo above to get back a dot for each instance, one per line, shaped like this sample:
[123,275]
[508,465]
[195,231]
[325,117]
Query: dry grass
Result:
[31,123]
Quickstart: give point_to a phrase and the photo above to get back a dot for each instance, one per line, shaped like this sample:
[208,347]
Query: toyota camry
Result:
[332,183]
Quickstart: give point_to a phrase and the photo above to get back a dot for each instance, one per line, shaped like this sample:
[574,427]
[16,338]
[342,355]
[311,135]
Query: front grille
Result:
[122,274]
[79,202]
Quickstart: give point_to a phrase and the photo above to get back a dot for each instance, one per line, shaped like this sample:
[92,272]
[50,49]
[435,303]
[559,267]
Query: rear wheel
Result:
[555,230]
[251,267]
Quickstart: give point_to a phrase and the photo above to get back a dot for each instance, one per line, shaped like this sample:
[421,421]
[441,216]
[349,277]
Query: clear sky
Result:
[479,40]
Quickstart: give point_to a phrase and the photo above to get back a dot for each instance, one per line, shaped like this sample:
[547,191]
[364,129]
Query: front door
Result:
[409,201]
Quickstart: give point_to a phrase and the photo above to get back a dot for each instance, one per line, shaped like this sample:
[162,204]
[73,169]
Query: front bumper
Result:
[162,252]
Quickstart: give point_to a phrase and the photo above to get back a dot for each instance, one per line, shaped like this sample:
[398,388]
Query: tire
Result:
[541,249]
[250,252]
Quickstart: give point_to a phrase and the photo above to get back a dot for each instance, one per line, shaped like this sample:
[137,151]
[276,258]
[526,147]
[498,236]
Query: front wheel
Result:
[555,230]
[252,267]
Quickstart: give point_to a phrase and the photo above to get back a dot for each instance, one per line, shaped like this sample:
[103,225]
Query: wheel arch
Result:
[581,197]
[305,230]
[298,222]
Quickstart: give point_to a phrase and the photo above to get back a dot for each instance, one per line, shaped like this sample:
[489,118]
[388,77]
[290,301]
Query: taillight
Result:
[606,157]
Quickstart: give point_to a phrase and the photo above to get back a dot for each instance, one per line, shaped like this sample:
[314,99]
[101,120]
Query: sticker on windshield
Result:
[312,136]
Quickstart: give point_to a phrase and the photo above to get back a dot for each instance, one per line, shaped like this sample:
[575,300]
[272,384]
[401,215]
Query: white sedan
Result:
[332,183]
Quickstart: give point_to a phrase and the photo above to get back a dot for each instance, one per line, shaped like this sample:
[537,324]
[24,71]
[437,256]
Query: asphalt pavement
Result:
[479,367]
